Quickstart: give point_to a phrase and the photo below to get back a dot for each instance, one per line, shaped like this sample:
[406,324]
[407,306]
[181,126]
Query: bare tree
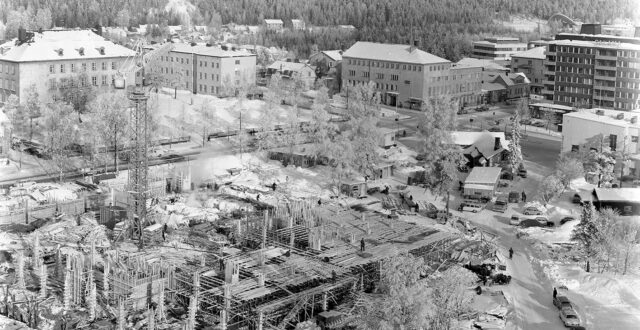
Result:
[78,91]
[112,117]
[550,187]
[450,296]
[32,107]
[60,130]
[515,150]
[568,168]
[321,130]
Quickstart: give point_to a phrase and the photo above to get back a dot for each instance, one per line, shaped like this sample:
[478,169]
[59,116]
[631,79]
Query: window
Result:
[93,66]
[217,65]
[187,61]
[205,75]
[104,66]
[113,65]
[394,77]
[187,72]
[94,81]
[182,61]
[352,72]
[237,62]
[379,76]
[73,67]
[84,67]
[407,82]
[51,69]
[365,74]
[613,142]
[171,58]
[634,138]
[104,80]
[61,68]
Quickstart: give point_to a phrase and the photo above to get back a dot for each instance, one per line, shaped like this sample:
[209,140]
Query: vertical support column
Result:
[260,320]
[264,228]
[324,301]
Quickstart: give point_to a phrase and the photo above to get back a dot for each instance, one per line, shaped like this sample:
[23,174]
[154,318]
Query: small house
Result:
[625,200]
[382,171]
[297,24]
[354,188]
[295,71]
[302,156]
[387,137]
[482,183]
[326,60]
[482,148]
[273,24]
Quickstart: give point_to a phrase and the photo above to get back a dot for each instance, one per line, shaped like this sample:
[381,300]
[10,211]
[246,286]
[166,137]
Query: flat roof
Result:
[483,175]
[552,106]
[535,53]
[608,117]
[391,52]
[618,194]
[600,44]
[209,51]
[478,186]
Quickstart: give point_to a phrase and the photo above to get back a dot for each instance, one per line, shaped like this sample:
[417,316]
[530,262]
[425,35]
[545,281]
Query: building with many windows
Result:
[531,63]
[497,48]
[207,70]
[602,73]
[620,128]
[49,60]
[404,75]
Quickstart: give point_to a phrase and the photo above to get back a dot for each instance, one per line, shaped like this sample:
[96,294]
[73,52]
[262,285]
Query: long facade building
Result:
[406,76]
[593,73]
[207,70]
[497,48]
[50,59]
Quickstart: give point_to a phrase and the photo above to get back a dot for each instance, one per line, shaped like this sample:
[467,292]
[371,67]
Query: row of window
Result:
[104,80]
[578,60]
[203,89]
[170,59]
[629,74]
[388,87]
[572,99]
[628,84]
[8,68]
[8,84]
[573,69]
[389,65]
[574,79]
[73,67]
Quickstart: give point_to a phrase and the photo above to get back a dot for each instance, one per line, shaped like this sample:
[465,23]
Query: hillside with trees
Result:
[444,27]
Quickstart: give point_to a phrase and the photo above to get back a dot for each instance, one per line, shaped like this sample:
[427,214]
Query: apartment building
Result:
[404,75]
[49,59]
[273,24]
[531,63]
[621,128]
[208,70]
[497,48]
[584,73]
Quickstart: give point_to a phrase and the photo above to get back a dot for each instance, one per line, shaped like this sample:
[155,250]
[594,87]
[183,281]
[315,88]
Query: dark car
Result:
[522,172]
[526,223]
[566,219]
[495,129]
[500,204]
[514,197]
[576,199]
[37,153]
[172,158]
[462,111]
[506,175]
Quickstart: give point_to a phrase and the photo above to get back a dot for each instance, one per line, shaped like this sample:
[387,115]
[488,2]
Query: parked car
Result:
[495,129]
[462,112]
[576,199]
[522,171]
[37,152]
[172,158]
[525,122]
[500,205]
[562,302]
[532,222]
[570,318]
[566,219]
[532,210]
[471,206]
[515,220]
[545,220]
[506,175]
[514,197]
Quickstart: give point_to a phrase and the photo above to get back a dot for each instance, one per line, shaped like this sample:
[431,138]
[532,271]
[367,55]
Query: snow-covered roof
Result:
[534,53]
[62,45]
[288,66]
[463,138]
[483,175]
[209,51]
[618,194]
[273,21]
[391,52]
[483,63]
[335,55]
[608,116]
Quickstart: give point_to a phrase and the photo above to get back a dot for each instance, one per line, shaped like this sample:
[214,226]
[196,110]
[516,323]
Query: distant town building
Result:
[620,127]
[497,48]
[603,72]
[505,87]
[482,148]
[302,72]
[330,58]
[49,59]
[531,63]
[297,24]
[208,70]
[273,24]
[404,75]
[537,43]
[620,30]
[347,27]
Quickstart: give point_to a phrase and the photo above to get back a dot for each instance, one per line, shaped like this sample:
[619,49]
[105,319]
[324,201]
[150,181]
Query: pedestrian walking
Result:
[555,293]
[273,186]
[319,202]
[362,244]
[524,197]
[258,198]
[510,253]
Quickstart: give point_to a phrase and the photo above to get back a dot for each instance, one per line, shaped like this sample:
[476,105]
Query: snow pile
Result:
[549,236]
[581,184]
[11,324]
[400,155]
[59,195]
[536,205]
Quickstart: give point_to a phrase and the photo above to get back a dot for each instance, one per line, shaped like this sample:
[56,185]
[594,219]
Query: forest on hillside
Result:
[443,27]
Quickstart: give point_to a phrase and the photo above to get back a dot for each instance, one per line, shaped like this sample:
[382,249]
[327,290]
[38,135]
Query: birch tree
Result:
[515,150]
[361,130]
[32,107]
[111,118]
[60,129]
[450,296]
[568,168]
[321,130]
[550,187]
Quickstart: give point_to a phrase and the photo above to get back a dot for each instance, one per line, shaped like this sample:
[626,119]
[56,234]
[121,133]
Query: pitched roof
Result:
[209,51]
[288,66]
[46,45]
[391,52]
[273,21]
[480,144]
[618,194]
[535,53]
[486,175]
[483,63]
[335,55]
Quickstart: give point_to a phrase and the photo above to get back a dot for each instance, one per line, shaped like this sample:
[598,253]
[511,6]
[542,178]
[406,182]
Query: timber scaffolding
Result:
[298,260]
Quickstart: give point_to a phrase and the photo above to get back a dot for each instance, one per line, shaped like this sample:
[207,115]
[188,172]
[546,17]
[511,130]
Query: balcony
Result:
[605,67]
[603,57]
[605,88]
[547,91]
[548,82]
[549,73]
[609,78]
[603,98]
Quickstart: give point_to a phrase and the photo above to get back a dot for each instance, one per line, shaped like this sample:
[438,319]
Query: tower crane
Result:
[138,172]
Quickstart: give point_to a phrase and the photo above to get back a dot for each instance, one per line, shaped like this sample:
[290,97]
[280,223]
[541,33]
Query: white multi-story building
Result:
[49,60]
[621,128]
[497,48]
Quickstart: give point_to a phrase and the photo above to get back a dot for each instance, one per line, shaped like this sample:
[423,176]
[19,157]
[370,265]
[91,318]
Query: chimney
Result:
[496,144]
[22,34]
[98,29]
[416,43]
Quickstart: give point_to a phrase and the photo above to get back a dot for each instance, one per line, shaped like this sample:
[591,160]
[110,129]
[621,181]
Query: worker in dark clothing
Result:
[164,231]
[484,280]
[524,197]
[273,186]
[362,244]
[411,198]
[555,293]
[319,202]
[258,198]
[510,253]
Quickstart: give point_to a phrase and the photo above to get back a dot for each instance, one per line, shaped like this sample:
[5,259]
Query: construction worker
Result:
[362,244]
[319,202]
[258,198]
[273,186]
[555,293]
[510,253]
[524,197]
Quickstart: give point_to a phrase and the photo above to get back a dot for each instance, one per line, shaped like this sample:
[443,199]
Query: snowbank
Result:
[550,236]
